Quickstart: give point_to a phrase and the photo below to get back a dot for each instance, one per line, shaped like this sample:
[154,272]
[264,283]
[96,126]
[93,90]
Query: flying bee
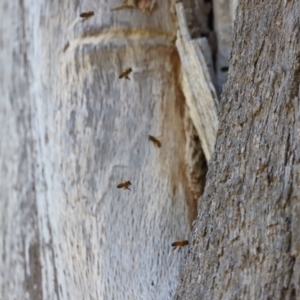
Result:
[86,15]
[125,73]
[179,244]
[224,69]
[155,141]
[124,185]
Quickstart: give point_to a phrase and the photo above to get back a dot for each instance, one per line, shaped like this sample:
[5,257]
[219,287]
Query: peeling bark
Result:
[197,85]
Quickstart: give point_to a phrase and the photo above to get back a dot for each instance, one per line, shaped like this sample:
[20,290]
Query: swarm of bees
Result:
[125,74]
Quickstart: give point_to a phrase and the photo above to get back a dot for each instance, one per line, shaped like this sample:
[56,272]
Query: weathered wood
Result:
[71,131]
[245,240]
[198,88]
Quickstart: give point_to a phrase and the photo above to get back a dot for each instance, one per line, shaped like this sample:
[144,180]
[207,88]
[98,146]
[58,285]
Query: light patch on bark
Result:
[198,88]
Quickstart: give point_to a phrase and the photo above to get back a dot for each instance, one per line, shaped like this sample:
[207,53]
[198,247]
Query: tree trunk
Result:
[72,131]
[245,242]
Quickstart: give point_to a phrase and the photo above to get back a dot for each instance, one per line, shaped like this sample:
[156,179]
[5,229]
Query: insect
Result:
[179,244]
[86,15]
[224,69]
[125,73]
[155,141]
[124,185]
[66,46]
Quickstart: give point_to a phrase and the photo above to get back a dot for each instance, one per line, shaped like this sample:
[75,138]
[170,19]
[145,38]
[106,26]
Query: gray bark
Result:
[245,241]
[71,131]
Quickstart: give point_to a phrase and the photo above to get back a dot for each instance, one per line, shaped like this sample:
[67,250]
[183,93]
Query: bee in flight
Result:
[86,15]
[124,185]
[125,73]
[224,69]
[155,141]
[179,244]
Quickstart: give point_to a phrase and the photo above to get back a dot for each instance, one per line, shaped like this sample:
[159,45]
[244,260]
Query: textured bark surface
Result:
[245,242]
[71,131]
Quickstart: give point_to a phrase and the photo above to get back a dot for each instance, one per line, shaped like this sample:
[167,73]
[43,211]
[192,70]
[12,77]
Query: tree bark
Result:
[72,131]
[245,242]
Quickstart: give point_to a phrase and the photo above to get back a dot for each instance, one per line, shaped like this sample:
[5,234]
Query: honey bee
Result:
[155,141]
[124,185]
[125,73]
[179,244]
[86,15]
